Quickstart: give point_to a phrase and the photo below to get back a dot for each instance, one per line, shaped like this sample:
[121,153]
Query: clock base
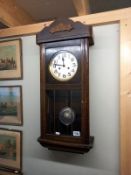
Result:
[67,147]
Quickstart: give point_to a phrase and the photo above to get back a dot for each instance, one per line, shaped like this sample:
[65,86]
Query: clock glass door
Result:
[63,88]
[64,112]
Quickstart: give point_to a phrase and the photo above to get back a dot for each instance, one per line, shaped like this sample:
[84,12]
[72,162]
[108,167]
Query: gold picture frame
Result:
[11,59]
[11,149]
[11,108]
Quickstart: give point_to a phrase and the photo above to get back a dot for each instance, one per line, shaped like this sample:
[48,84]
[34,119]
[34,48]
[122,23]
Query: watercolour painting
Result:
[11,105]
[10,149]
[10,60]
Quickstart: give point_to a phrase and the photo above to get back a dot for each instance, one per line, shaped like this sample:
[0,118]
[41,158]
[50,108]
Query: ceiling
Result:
[43,10]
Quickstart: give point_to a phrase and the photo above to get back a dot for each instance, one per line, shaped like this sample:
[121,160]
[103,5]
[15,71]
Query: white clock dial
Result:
[63,66]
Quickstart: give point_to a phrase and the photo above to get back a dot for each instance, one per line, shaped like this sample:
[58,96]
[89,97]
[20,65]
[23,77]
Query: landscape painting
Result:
[10,148]
[11,105]
[10,60]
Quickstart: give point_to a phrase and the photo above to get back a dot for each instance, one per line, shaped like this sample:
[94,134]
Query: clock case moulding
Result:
[74,37]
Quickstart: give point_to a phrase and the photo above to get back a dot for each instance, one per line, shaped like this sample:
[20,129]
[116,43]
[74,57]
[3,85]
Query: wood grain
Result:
[125,96]
[93,19]
[82,7]
[13,15]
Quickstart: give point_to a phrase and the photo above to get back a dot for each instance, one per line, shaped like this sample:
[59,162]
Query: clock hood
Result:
[64,29]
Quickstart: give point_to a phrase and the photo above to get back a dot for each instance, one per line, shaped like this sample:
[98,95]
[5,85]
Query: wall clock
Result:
[64,86]
[63,66]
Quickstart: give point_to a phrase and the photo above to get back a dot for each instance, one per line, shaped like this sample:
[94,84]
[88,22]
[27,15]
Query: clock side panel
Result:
[85,91]
[43,103]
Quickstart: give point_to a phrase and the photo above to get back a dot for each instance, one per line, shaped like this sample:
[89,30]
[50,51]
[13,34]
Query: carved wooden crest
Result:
[61,27]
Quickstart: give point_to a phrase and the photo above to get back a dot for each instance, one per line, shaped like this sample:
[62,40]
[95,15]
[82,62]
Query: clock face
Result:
[63,66]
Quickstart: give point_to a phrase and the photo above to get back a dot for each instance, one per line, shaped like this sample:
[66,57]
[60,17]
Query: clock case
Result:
[74,37]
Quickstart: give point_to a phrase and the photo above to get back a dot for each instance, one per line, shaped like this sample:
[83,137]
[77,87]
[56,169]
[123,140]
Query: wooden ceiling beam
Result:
[13,15]
[82,7]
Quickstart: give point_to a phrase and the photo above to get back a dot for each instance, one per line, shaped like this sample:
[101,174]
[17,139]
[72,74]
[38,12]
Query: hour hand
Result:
[54,65]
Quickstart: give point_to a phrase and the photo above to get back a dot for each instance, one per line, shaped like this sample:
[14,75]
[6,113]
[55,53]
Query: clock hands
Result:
[57,65]
[62,65]
[63,62]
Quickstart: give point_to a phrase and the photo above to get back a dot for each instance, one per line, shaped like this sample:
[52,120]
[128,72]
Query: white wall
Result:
[103,159]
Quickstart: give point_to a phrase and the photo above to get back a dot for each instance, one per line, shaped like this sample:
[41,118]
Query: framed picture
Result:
[10,59]
[11,149]
[11,112]
[7,172]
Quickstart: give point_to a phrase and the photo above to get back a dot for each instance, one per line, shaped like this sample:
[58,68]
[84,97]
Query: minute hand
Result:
[63,62]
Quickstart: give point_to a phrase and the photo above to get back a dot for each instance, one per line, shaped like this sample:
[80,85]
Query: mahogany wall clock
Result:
[64,79]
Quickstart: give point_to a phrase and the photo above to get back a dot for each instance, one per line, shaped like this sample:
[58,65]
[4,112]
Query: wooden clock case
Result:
[73,37]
